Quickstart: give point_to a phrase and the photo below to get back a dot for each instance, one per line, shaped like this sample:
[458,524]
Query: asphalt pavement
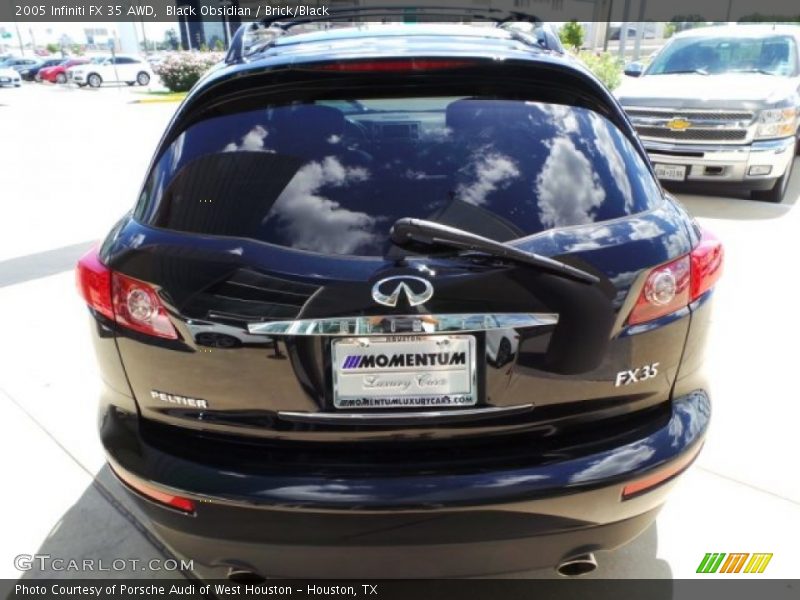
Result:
[71,164]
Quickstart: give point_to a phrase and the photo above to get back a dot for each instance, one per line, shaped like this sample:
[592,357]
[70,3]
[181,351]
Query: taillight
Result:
[706,264]
[675,285]
[136,305]
[665,291]
[130,302]
[393,66]
[94,283]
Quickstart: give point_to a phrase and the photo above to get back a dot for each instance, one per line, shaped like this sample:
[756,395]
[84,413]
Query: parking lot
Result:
[72,161]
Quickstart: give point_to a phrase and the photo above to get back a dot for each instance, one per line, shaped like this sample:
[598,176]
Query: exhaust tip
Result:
[240,575]
[576,566]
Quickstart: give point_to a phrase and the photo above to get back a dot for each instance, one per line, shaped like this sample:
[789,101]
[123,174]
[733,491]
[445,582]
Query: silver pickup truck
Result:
[720,105]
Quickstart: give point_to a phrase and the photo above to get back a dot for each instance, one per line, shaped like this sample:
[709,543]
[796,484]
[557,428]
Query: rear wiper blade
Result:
[407,231]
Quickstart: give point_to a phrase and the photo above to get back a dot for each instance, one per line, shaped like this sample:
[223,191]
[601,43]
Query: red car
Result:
[58,73]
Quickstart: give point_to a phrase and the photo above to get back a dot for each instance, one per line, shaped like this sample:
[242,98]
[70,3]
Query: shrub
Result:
[181,70]
[572,34]
[604,65]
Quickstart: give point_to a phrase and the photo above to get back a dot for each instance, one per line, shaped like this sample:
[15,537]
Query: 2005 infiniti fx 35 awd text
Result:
[401,301]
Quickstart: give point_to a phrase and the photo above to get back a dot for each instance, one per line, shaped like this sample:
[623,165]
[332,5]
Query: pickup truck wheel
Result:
[778,190]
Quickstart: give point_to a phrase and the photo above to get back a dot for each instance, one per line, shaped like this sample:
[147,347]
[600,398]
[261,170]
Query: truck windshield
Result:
[772,55]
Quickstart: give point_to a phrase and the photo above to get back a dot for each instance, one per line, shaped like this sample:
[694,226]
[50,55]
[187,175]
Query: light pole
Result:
[226,22]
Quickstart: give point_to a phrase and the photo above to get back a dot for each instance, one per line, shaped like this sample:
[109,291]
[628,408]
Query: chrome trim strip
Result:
[685,112]
[696,124]
[388,418]
[388,324]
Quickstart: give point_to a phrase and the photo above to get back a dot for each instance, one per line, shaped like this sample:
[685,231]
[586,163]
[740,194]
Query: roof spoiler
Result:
[271,28]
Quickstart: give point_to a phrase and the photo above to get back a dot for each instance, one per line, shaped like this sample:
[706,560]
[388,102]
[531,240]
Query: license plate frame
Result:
[667,172]
[396,382]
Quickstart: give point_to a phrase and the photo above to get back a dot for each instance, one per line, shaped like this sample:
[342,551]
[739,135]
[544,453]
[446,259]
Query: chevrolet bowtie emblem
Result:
[678,124]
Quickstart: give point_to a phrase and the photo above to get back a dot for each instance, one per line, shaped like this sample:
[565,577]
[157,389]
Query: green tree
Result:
[53,48]
[572,34]
[606,67]
[170,40]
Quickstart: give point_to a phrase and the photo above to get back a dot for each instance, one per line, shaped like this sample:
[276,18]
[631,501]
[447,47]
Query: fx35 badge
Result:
[630,376]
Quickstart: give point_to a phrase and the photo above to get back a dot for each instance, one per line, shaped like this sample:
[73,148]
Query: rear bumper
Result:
[755,165]
[287,523]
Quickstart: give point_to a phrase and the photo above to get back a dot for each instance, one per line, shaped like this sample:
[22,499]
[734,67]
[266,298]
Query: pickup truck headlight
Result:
[776,123]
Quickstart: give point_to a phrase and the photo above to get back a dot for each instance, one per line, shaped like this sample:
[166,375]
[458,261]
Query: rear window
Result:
[333,176]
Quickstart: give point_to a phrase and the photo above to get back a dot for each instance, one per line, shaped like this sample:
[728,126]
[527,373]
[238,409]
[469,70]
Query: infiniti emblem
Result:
[417,290]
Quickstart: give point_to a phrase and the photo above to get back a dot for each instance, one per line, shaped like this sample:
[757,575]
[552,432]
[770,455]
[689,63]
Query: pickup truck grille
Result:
[701,126]
[696,135]
[691,114]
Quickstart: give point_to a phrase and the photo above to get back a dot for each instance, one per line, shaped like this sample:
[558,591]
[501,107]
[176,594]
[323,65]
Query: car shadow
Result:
[715,203]
[635,560]
[105,538]
[105,524]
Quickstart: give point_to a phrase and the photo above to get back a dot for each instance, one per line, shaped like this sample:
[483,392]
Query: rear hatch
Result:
[286,311]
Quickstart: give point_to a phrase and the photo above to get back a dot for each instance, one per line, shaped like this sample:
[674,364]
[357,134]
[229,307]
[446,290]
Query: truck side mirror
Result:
[634,69]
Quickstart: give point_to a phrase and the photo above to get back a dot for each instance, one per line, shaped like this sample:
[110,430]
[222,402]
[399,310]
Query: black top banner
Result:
[54,11]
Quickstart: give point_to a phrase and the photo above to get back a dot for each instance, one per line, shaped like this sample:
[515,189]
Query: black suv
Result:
[400,300]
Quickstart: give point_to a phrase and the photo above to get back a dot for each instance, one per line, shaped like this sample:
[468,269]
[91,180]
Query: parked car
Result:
[381,203]
[615,32]
[19,64]
[129,69]
[58,73]
[9,77]
[32,72]
[719,105]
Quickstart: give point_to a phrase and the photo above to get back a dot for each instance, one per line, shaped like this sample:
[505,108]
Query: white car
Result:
[9,76]
[121,68]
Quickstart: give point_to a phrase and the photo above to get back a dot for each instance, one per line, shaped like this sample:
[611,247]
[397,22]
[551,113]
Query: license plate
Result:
[429,372]
[671,172]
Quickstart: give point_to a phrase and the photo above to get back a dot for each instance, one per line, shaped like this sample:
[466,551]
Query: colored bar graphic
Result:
[758,563]
[717,563]
[741,563]
[702,567]
[733,564]
[734,561]
[710,563]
